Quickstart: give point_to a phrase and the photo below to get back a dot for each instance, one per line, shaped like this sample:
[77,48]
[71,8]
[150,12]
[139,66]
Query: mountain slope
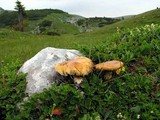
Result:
[57,22]
[149,17]
[53,21]
[1,10]
[35,17]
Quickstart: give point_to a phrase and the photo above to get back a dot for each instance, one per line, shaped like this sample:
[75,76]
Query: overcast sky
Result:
[89,8]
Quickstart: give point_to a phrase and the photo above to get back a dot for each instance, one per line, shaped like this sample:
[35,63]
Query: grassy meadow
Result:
[134,94]
[25,45]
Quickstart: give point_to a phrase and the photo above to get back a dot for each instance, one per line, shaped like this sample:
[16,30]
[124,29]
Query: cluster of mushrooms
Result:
[82,66]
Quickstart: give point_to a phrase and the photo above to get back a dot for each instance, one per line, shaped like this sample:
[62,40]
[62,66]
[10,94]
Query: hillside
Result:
[124,17]
[132,94]
[65,41]
[1,10]
[53,22]
[96,22]
[149,17]
[37,18]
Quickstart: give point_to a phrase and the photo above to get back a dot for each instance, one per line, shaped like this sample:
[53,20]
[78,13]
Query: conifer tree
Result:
[21,13]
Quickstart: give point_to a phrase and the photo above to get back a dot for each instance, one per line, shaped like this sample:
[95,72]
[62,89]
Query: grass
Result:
[135,21]
[134,94]
[25,45]
[58,23]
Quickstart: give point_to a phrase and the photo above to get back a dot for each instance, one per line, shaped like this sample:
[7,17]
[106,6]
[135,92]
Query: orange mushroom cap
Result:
[79,66]
[113,65]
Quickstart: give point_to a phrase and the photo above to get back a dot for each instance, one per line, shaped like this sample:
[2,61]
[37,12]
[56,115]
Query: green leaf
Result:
[136,109]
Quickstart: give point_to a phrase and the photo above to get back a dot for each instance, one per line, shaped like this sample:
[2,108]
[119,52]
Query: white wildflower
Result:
[124,118]
[153,25]
[118,30]
[123,83]
[138,116]
[119,115]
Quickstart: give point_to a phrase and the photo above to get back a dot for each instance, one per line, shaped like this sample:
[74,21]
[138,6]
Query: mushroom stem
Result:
[108,75]
[78,79]
[118,71]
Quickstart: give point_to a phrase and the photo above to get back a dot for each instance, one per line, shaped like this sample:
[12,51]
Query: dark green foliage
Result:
[92,116]
[137,45]
[101,24]
[40,14]
[1,10]
[45,23]
[53,33]
[137,91]
[20,8]
[96,21]
[42,29]
[7,18]
[80,22]
[134,94]
[12,86]
[127,94]
[40,106]
[21,14]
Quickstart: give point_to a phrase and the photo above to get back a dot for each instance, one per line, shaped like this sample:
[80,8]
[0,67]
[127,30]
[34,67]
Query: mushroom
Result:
[113,65]
[77,67]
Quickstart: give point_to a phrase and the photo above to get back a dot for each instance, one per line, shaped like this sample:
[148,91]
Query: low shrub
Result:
[12,87]
[134,94]
[53,33]
[138,46]
[45,23]
[124,97]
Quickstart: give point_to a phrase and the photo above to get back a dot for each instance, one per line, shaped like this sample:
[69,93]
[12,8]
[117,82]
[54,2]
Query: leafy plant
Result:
[45,23]
[134,94]
[12,87]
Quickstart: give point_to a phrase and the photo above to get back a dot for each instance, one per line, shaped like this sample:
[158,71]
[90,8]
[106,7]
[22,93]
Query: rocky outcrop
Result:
[40,68]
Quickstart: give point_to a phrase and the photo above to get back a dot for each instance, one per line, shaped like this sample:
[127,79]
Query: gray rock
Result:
[40,68]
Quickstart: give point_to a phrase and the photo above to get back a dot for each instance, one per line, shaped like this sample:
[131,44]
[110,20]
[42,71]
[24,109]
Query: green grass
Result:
[58,23]
[134,93]
[129,95]
[135,21]
[25,45]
